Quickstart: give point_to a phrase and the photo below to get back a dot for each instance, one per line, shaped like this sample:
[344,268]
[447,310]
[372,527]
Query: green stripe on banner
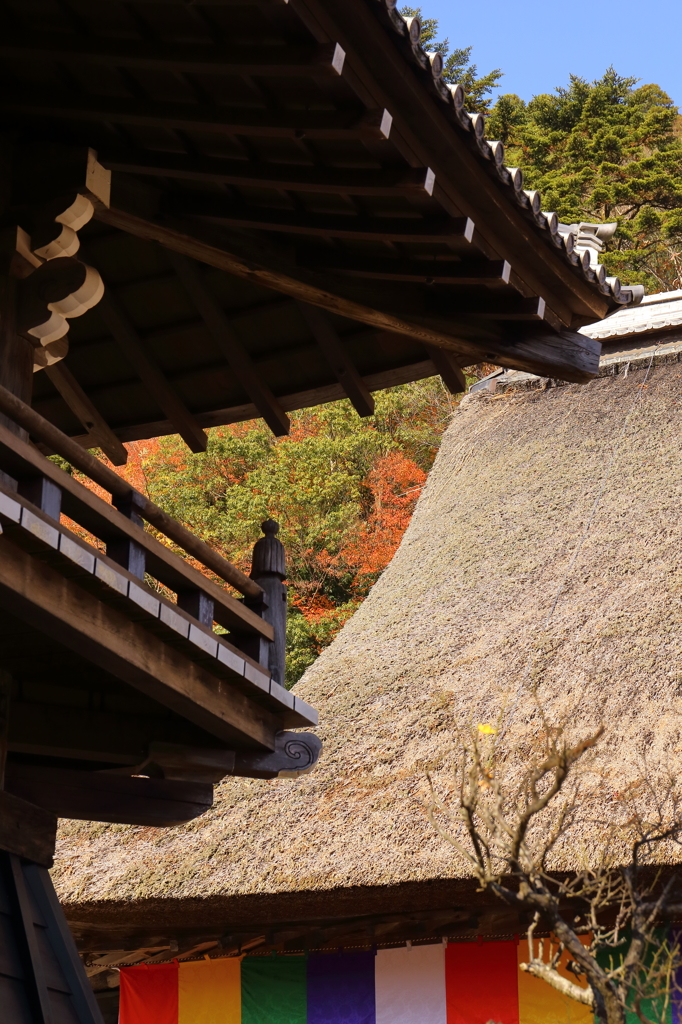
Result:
[653,1009]
[274,990]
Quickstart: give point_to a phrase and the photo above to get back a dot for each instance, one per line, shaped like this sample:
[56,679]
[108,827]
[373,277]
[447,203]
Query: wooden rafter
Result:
[331,345]
[290,402]
[424,135]
[99,431]
[449,369]
[196,60]
[131,344]
[229,344]
[568,355]
[328,181]
[470,272]
[382,229]
[311,124]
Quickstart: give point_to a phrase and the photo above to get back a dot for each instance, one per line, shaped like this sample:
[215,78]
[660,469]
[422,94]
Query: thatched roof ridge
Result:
[442,639]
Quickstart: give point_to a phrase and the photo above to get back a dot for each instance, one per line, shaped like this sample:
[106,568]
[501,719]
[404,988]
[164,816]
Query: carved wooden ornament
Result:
[60,286]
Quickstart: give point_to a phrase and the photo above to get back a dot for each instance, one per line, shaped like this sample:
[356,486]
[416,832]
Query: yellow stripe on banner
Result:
[539,1003]
[210,992]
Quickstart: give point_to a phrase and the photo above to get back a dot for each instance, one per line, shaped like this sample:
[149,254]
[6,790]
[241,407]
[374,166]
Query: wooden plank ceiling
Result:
[300,211]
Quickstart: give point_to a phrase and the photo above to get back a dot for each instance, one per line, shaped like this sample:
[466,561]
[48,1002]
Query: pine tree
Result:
[603,151]
[457,66]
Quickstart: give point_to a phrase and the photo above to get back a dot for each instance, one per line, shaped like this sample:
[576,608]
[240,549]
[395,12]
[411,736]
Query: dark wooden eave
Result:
[307,154]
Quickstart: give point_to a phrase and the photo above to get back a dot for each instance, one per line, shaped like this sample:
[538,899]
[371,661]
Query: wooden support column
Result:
[198,604]
[125,551]
[5,694]
[16,352]
[268,569]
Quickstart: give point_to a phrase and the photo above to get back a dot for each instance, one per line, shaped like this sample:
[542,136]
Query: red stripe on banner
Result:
[149,995]
[481,983]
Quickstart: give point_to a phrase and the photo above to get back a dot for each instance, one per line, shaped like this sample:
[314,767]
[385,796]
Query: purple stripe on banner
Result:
[341,988]
[676,981]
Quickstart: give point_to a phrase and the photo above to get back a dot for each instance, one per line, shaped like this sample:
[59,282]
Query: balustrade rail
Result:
[35,494]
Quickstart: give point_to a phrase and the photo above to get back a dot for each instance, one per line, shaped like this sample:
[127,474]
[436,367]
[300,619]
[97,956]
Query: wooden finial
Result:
[268,553]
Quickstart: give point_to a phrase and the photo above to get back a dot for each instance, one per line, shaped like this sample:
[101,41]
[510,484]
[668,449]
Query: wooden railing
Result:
[256,624]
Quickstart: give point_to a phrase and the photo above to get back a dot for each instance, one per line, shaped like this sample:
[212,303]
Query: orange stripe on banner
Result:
[539,1003]
[149,995]
[210,992]
[481,983]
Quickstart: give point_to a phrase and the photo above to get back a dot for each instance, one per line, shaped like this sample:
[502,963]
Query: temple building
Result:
[211,212]
[344,860]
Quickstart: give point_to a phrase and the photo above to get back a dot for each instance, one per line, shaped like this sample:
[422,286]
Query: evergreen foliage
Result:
[457,66]
[603,151]
[343,489]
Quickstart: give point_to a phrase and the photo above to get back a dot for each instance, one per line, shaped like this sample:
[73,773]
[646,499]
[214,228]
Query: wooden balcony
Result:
[134,681]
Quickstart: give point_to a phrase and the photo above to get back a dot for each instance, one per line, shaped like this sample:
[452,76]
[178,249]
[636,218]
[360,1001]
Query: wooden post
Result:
[268,569]
[5,694]
[16,353]
[126,552]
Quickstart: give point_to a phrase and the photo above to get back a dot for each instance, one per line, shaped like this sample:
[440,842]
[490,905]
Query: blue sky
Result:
[538,44]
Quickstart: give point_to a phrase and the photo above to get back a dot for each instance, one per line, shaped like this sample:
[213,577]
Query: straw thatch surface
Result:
[444,638]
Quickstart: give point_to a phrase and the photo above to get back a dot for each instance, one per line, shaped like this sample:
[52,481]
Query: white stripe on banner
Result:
[410,985]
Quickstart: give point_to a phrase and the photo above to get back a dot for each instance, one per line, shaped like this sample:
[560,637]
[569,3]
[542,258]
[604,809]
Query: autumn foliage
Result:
[342,488]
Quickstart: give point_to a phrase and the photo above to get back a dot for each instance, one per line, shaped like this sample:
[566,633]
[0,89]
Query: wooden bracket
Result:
[295,753]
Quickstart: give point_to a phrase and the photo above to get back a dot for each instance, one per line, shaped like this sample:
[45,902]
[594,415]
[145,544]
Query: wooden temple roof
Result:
[300,210]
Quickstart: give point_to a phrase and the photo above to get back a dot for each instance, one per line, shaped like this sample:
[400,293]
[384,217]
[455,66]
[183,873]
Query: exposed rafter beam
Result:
[462,272]
[569,355]
[100,432]
[389,229]
[229,344]
[129,341]
[447,366]
[293,177]
[312,124]
[291,402]
[188,59]
[337,357]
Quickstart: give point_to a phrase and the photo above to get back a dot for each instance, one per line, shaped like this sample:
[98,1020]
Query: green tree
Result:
[603,151]
[342,488]
[457,66]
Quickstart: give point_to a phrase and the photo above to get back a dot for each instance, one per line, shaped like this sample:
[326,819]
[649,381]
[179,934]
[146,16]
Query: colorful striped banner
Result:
[463,983]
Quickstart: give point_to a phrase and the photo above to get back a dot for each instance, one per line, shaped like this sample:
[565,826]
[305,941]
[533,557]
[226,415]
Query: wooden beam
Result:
[331,345]
[132,346]
[103,520]
[424,134]
[96,796]
[56,931]
[96,515]
[447,366]
[106,637]
[292,402]
[309,124]
[89,734]
[85,412]
[384,229]
[569,356]
[291,177]
[233,60]
[464,272]
[26,829]
[229,344]
[30,949]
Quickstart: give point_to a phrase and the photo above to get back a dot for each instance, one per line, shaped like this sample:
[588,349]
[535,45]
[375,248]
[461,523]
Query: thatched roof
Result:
[444,638]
